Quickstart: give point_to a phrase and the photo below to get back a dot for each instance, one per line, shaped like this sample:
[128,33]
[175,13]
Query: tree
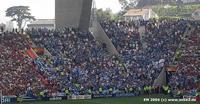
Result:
[124,4]
[127,4]
[179,4]
[107,14]
[20,14]
[2,27]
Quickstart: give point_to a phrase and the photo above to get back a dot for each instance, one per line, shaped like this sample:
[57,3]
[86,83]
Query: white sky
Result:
[45,9]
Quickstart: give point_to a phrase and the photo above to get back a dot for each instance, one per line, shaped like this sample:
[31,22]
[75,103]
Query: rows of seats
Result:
[78,64]
[157,48]
[149,52]
[186,79]
[18,73]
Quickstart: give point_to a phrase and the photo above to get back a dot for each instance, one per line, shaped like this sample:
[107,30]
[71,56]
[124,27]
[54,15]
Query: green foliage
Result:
[127,4]
[124,4]
[172,11]
[20,14]
[107,14]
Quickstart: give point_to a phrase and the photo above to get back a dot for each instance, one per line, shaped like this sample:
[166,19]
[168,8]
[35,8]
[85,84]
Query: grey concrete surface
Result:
[102,37]
[72,13]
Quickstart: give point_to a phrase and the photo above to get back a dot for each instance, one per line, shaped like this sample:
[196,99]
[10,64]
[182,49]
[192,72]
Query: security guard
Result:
[100,90]
[150,88]
[197,94]
[131,90]
[145,90]
[42,94]
[165,88]
[62,73]
[89,91]
[110,90]
[67,92]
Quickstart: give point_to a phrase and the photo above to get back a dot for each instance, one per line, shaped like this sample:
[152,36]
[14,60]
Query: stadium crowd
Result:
[159,48]
[186,79]
[18,73]
[78,64]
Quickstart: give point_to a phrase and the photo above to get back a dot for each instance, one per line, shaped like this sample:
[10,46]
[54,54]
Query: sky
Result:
[45,9]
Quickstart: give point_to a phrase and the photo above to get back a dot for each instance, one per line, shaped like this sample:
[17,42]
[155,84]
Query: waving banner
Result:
[31,53]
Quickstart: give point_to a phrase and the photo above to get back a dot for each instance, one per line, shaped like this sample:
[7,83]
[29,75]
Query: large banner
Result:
[39,51]
[74,97]
[8,99]
[102,96]
[113,95]
[171,68]
[31,53]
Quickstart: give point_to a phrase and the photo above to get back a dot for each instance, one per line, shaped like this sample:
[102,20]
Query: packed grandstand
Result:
[43,63]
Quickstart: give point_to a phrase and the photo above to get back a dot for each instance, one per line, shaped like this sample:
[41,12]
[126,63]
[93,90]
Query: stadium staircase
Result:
[142,34]
[99,34]
[161,80]
[181,44]
[40,75]
[27,37]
